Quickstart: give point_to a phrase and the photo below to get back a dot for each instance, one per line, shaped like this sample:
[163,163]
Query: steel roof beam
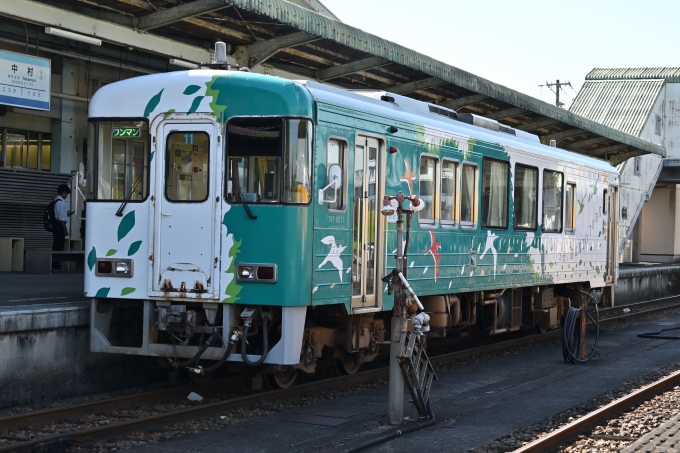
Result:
[508,113]
[350,68]
[418,85]
[565,134]
[259,52]
[541,123]
[178,13]
[607,149]
[50,16]
[462,102]
[589,142]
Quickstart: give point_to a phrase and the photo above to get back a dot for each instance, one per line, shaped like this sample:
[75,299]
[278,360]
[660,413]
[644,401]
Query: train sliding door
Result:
[365,224]
[612,203]
[185,210]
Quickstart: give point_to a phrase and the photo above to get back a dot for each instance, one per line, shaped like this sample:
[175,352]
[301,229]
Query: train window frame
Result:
[167,160]
[343,166]
[281,171]
[430,223]
[571,228]
[543,197]
[450,224]
[507,195]
[93,159]
[474,214]
[514,191]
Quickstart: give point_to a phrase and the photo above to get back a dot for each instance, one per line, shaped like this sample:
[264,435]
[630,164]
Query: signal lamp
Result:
[393,150]
[104,267]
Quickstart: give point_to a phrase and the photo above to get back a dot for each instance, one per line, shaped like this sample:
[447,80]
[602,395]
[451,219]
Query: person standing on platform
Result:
[61,215]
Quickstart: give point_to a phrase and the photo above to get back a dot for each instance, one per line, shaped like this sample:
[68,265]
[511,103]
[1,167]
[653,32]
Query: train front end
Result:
[198,218]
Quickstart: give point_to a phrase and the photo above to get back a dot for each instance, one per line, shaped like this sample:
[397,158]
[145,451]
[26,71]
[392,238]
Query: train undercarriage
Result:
[297,338]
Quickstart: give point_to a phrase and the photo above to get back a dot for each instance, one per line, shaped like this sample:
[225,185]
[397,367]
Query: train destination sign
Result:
[127,132]
[24,81]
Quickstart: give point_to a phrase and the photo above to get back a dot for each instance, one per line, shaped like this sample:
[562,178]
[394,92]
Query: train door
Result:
[611,202]
[185,210]
[365,224]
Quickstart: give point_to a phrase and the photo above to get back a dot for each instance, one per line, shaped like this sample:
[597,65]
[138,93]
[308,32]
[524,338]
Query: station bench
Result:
[39,261]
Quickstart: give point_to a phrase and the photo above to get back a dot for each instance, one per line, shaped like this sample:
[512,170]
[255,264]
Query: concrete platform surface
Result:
[484,400]
[28,289]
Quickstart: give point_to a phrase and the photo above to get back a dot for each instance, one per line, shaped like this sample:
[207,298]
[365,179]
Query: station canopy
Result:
[306,41]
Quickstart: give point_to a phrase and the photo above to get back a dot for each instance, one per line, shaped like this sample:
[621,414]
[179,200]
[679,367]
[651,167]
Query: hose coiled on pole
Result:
[571,341]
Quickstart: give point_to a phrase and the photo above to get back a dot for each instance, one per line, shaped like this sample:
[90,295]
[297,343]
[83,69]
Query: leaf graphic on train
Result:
[153,103]
[134,247]
[168,113]
[232,288]
[191,89]
[91,258]
[127,290]
[195,104]
[111,252]
[103,292]
[126,225]
[151,156]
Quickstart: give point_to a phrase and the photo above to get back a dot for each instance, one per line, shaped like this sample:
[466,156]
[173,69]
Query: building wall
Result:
[672,120]
[660,229]
[649,130]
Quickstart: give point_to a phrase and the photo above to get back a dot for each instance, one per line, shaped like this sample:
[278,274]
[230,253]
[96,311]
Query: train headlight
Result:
[114,267]
[122,267]
[256,272]
[246,272]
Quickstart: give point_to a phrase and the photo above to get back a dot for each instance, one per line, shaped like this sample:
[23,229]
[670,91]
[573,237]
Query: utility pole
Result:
[557,86]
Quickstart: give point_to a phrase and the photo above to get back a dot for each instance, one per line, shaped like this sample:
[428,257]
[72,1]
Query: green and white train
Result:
[223,199]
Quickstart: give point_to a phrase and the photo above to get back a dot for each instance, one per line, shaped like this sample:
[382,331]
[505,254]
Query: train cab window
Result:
[552,201]
[187,166]
[495,194]
[448,198]
[468,196]
[570,209]
[526,198]
[121,160]
[335,156]
[427,189]
[269,160]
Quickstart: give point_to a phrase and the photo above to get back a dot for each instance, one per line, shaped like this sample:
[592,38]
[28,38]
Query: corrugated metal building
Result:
[644,102]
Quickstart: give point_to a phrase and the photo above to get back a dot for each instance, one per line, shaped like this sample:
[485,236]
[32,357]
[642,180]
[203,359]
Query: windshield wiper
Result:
[243,200]
[119,213]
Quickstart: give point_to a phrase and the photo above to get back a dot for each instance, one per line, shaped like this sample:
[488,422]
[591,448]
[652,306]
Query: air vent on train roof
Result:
[494,125]
[443,112]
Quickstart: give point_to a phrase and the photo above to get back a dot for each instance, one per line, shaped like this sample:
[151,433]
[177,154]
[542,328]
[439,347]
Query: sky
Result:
[522,44]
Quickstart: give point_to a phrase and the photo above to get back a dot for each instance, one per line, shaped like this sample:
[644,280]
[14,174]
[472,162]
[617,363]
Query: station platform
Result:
[664,439]
[473,404]
[28,289]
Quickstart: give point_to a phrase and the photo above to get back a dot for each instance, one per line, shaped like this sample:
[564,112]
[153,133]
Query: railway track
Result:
[100,433]
[572,430]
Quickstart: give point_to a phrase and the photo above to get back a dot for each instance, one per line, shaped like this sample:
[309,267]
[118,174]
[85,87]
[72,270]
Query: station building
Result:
[81,46]
[644,102]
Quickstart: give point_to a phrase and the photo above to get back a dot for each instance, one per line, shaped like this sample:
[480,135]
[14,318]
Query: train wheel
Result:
[346,365]
[201,379]
[281,380]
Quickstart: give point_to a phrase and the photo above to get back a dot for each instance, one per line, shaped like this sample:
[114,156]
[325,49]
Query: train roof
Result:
[428,115]
[195,91]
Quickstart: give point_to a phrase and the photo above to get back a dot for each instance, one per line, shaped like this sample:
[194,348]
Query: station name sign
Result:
[24,81]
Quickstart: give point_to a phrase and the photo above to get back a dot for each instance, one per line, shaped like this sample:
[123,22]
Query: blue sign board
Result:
[24,81]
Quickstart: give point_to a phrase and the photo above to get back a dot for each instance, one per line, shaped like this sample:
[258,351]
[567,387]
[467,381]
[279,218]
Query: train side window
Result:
[570,209]
[605,202]
[495,193]
[427,189]
[187,166]
[526,198]
[552,201]
[468,196]
[449,214]
[336,155]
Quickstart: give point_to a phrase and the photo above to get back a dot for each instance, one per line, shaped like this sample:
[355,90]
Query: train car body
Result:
[214,191]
